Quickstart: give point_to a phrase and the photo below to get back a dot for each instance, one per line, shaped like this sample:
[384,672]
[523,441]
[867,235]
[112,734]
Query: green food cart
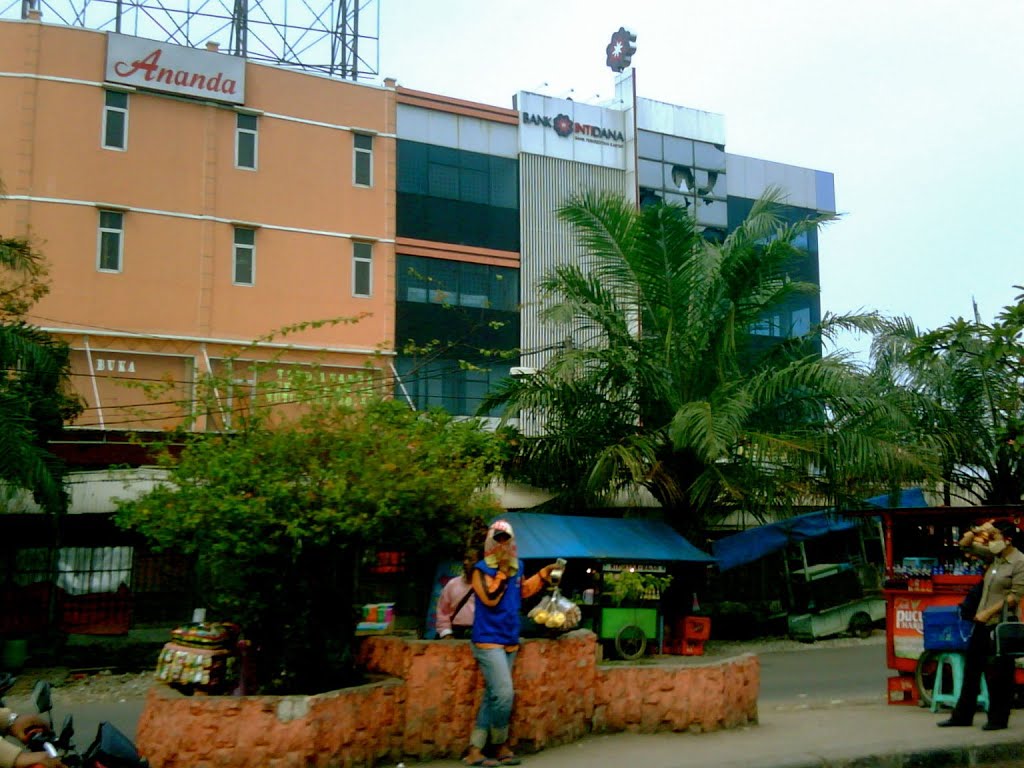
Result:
[601,547]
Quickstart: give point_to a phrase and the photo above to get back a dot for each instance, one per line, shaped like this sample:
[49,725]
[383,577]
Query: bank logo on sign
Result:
[563,125]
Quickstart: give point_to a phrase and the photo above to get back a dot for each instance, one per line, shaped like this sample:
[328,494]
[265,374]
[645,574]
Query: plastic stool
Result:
[955,663]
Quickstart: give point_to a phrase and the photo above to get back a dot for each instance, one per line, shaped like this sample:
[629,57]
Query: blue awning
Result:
[598,538]
[909,498]
[755,543]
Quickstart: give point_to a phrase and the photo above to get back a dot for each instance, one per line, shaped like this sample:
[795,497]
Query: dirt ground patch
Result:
[84,686]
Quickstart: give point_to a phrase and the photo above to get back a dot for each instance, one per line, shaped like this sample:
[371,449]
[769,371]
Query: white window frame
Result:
[100,231]
[235,245]
[255,132]
[356,152]
[234,385]
[368,261]
[107,109]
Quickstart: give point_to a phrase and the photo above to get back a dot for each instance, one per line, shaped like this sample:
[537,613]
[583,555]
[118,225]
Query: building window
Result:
[362,269]
[362,160]
[245,256]
[115,120]
[449,384]
[110,241]
[801,325]
[424,280]
[455,196]
[769,325]
[246,142]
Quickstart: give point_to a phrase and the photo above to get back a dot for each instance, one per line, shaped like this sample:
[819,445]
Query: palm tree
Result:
[34,396]
[966,382]
[666,388]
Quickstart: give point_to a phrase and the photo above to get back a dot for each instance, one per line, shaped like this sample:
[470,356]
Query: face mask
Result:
[996,547]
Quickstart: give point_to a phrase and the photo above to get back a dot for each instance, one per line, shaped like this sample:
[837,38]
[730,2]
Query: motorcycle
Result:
[110,748]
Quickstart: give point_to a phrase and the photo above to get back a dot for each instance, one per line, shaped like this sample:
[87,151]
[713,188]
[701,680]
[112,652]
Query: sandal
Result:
[484,761]
[509,759]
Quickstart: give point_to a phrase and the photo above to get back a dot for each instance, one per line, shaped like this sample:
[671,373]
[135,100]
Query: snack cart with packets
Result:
[926,569]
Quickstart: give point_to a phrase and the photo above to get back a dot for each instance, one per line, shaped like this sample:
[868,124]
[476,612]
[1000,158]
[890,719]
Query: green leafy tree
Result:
[666,388]
[35,396]
[279,517]
[964,384]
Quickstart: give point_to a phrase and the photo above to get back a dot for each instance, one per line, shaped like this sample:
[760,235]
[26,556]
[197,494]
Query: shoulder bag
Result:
[1008,636]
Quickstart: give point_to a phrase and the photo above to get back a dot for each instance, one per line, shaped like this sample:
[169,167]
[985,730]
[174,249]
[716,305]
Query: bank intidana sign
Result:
[565,127]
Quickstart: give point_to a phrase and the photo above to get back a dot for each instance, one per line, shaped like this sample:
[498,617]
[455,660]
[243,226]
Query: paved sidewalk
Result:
[853,735]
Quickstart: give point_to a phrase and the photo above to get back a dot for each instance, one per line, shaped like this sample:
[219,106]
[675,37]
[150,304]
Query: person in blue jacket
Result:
[499,588]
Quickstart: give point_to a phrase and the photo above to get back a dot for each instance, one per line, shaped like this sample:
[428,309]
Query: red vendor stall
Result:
[925,567]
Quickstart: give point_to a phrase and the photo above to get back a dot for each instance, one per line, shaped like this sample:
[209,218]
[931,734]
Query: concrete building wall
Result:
[180,196]
[546,184]
[750,177]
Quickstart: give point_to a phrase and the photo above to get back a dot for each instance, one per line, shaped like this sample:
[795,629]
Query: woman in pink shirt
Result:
[456,605]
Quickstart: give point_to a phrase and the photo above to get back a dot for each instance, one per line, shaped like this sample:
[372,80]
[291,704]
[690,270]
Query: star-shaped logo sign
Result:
[619,53]
[562,125]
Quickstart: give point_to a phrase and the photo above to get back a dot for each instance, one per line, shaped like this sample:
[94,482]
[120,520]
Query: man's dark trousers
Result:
[998,671]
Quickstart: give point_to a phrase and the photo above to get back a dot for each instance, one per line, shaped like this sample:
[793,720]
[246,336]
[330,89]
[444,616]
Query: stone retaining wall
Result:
[426,711]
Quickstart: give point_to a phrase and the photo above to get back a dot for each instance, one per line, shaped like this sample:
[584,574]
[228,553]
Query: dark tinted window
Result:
[452,196]
[437,281]
[448,384]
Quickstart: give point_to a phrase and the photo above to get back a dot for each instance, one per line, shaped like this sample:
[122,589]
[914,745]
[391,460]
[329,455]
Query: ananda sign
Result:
[564,126]
[175,69]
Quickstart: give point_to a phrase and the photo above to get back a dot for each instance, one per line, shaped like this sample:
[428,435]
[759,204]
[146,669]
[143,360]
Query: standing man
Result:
[455,607]
[1003,586]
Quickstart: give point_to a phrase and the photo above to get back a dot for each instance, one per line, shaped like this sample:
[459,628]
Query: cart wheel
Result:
[860,625]
[630,642]
[924,676]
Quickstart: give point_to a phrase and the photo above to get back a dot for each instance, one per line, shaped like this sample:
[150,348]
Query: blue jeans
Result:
[496,705]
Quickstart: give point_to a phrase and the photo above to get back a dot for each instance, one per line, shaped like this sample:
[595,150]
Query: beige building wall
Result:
[173,307]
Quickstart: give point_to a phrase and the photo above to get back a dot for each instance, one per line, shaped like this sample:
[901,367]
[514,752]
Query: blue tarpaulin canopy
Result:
[911,497]
[755,543]
[597,538]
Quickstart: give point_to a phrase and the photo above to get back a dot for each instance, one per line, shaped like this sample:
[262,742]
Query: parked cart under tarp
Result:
[609,543]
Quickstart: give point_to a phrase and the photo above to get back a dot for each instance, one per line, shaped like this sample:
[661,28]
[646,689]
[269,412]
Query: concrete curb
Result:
[976,756]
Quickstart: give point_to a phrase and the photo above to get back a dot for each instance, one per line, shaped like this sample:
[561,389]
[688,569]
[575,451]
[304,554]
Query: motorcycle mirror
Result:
[41,696]
[67,732]
[6,682]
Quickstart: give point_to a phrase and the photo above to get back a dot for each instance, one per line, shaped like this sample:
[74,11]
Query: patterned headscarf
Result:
[498,552]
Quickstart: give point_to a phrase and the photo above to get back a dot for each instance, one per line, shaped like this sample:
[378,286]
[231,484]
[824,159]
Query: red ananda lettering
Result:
[150,64]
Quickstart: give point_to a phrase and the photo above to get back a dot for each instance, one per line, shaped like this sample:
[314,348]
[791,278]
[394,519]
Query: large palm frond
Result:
[664,390]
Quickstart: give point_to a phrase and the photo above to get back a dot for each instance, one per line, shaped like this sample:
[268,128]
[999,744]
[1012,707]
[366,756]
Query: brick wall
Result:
[427,709]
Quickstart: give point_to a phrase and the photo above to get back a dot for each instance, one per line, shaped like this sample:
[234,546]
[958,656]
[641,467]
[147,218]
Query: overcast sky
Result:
[916,106]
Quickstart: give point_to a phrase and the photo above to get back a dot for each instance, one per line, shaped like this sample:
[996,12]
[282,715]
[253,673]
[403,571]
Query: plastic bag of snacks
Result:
[555,611]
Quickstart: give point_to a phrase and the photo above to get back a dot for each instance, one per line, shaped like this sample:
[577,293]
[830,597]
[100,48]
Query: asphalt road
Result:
[824,676]
[124,715]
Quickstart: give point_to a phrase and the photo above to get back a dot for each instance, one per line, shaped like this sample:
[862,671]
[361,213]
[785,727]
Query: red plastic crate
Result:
[692,647]
[902,690]
[696,628]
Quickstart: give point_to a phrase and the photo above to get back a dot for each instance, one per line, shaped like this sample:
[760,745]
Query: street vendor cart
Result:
[599,550]
[924,567]
[829,566]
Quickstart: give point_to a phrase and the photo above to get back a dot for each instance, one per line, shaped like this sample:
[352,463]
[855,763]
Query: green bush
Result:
[279,517]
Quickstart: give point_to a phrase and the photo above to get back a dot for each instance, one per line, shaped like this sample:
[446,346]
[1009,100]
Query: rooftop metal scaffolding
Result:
[339,38]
